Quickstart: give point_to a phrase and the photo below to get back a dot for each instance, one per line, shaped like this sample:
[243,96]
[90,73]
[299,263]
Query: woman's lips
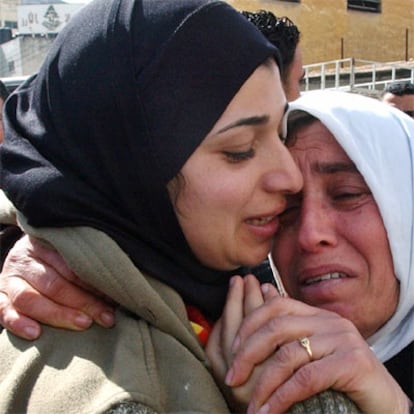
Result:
[264,226]
[323,277]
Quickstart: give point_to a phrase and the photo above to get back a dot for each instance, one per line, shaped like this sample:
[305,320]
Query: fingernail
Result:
[83,320]
[107,318]
[229,377]
[265,288]
[31,332]
[264,409]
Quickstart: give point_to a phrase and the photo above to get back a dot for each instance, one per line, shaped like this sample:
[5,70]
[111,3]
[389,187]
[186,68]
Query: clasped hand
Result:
[261,366]
[36,281]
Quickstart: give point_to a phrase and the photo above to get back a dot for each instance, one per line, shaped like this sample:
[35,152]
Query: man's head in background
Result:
[285,35]
[401,96]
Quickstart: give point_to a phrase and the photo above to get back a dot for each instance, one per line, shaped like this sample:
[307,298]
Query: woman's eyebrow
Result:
[252,120]
[335,167]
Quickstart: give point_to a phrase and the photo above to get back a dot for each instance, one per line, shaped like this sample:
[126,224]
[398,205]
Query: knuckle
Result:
[21,298]
[50,284]
[275,305]
[286,354]
[343,324]
[353,344]
[94,308]
[9,318]
[362,358]
[347,324]
[282,400]
[244,357]
[4,303]
[273,325]
[10,322]
[242,394]
[304,378]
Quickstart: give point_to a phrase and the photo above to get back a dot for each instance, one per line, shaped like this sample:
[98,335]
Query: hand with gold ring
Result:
[337,357]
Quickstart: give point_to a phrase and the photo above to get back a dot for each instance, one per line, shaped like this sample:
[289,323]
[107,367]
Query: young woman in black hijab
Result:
[146,151]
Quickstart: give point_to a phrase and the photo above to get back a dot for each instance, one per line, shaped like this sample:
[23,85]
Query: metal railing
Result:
[355,74]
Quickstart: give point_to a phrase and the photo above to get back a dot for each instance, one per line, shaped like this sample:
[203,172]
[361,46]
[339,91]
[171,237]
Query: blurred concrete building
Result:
[8,13]
[27,29]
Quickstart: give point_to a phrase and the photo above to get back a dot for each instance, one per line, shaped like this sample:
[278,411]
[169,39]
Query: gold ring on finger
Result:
[305,343]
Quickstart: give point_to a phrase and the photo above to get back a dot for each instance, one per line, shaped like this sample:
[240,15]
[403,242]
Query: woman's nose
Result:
[285,175]
[316,227]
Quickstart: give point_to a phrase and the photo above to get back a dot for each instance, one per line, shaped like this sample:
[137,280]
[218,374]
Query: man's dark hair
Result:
[399,88]
[280,31]
[296,121]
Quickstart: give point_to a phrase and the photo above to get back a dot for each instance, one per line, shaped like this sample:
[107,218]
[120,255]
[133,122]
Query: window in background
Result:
[365,5]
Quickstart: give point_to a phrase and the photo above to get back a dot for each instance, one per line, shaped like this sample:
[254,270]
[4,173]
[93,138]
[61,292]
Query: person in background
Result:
[4,93]
[157,183]
[344,251]
[401,96]
[285,35]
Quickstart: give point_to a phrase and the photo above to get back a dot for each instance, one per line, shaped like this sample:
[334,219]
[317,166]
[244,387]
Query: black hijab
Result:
[128,91]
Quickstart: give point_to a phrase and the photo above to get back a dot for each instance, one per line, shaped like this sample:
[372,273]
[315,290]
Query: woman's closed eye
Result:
[350,198]
[239,156]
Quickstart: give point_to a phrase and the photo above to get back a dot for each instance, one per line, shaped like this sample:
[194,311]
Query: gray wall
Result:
[23,55]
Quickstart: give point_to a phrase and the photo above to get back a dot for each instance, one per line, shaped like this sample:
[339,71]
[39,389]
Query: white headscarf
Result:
[379,139]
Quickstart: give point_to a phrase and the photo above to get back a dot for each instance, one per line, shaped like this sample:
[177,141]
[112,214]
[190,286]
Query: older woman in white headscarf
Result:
[344,249]
[380,142]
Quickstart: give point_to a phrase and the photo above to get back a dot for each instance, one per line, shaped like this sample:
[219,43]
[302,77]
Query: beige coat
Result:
[151,356]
